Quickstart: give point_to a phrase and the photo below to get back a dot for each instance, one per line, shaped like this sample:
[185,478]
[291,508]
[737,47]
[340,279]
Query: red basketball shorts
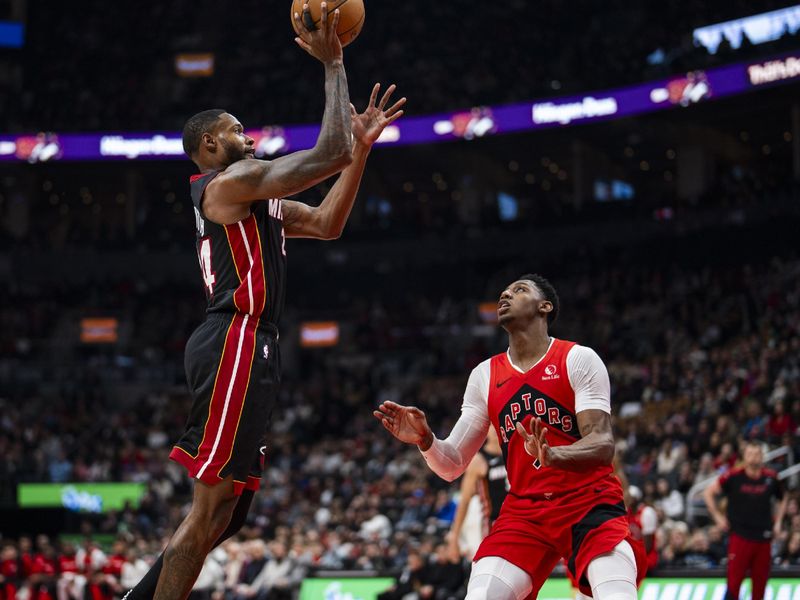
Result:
[535,533]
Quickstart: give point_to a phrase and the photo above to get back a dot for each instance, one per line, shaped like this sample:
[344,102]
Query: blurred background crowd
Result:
[687,284]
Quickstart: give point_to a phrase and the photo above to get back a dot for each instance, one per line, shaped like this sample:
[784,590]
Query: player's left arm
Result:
[594,449]
[588,377]
[327,221]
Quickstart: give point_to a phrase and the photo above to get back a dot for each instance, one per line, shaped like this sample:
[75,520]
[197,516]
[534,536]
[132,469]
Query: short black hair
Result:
[547,290]
[196,126]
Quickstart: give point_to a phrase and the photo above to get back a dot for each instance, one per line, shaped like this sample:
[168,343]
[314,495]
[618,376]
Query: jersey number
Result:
[204,254]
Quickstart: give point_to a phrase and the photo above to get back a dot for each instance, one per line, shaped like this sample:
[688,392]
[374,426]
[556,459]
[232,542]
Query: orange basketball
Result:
[351,16]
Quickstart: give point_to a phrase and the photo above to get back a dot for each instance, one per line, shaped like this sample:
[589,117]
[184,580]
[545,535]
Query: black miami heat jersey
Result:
[494,488]
[243,265]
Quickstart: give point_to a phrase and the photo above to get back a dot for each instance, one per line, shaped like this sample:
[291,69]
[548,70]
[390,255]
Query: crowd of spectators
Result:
[703,355]
[107,68]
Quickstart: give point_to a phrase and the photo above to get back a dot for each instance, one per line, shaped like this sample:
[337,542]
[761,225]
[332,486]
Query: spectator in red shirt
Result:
[71,583]
[10,572]
[780,423]
[112,570]
[43,571]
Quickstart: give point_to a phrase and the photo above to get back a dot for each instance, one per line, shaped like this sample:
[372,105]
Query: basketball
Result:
[351,16]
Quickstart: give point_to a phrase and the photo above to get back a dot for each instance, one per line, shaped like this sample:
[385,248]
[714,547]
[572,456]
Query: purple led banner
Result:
[685,90]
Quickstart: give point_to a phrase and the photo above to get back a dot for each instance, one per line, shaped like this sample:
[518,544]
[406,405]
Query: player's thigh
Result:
[494,578]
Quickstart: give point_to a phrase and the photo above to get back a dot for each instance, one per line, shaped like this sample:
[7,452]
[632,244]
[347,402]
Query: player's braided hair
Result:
[548,291]
[196,126]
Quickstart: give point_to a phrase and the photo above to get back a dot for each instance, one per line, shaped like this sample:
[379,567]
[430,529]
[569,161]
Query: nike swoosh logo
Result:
[502,383]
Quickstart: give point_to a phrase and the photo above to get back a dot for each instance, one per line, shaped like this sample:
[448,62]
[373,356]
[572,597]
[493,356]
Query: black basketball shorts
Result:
[233,371]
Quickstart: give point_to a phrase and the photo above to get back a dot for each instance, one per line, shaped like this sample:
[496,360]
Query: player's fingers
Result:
[323,17]
[334,26]
[308,22]
[374,95]
[394,107]
[353,111]
[389,412]
[543,436]
[394,117]
[522,431]
[302,43]
[388,94]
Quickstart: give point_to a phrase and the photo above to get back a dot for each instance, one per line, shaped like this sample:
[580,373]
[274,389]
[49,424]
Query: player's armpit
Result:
[303,221]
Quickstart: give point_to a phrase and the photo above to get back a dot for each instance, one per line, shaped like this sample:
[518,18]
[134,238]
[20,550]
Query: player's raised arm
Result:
[327,220]
[250,180]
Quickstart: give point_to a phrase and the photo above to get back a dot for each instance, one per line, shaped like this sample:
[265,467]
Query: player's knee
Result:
[494,578]
[613,575]
[487,587]
[618,596]
[213,517]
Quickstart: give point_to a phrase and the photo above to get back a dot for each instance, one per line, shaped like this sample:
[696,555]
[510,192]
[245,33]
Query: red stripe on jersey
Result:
[218,379]
[241,261]
[227,400]
[259,279]
[196,176]
[241,385]
[245,244]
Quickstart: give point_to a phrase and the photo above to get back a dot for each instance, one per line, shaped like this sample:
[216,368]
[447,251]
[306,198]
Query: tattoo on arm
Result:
[251,180]
[595,448]
[334,138]
[588,427]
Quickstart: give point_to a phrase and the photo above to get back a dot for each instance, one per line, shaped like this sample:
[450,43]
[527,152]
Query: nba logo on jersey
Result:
[266,351]
[550,373]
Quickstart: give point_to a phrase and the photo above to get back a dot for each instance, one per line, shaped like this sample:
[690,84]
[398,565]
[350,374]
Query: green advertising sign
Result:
[87,497]
[346,588]
[658,588]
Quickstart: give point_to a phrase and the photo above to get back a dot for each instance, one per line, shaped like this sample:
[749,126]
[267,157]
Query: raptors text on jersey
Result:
[543,391]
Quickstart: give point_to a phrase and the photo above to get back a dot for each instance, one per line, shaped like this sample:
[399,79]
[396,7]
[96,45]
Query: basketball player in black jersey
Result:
[232,359]
[485,477]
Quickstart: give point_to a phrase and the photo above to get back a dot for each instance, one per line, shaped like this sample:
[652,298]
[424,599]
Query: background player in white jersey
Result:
[564,501]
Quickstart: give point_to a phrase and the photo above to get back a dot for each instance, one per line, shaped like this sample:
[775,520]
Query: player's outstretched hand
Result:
[322,43]
[406,423]
[536,440]
[368,126]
